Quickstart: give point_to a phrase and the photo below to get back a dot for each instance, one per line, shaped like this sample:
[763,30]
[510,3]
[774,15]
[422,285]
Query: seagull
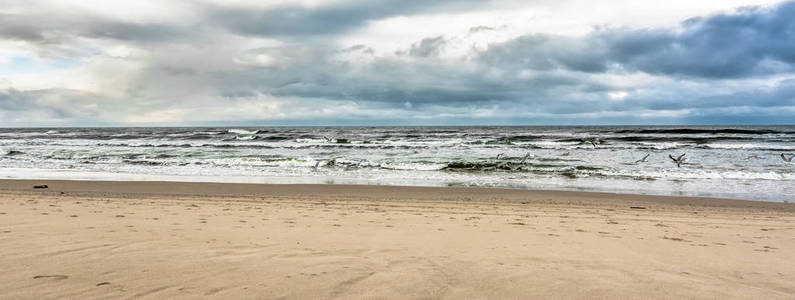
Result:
[327,139]
[595,142]
[642,159]
[679,160]
[498,156]
[525,158]
[789,160]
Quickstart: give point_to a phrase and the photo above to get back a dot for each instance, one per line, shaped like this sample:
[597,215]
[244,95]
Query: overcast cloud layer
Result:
[396,62]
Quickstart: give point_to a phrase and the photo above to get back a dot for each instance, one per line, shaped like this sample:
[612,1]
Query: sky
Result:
[409,62]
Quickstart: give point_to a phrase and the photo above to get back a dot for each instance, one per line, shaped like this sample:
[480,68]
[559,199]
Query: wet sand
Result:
[90,239]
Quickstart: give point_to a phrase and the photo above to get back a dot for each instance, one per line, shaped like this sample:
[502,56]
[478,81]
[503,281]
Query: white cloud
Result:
[617,95]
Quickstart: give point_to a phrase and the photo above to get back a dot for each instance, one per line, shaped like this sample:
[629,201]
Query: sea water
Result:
[733,162]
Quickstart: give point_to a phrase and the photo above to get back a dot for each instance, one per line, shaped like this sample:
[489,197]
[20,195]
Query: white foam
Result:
[243,131]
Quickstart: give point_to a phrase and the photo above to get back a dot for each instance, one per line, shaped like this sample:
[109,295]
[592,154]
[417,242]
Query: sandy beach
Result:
[161,240]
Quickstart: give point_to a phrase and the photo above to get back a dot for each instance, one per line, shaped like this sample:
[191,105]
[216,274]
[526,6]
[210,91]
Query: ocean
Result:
[730,162]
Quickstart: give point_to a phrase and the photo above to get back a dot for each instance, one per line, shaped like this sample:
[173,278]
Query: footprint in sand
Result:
[56,277]
[676,239]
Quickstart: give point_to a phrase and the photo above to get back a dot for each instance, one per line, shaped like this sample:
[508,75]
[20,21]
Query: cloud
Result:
[57,107]
[427,47]
[286,64]
[47,28]
[751,41]
[291,20]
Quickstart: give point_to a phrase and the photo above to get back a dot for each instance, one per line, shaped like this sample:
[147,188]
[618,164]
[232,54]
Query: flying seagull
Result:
[642,159]
[327,139]
[679,160]
[789,160]
[498,156]
[595,142]
[524,158]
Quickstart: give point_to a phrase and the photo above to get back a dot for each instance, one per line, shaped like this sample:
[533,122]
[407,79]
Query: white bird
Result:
[525,158]
[789,160]
[642,159]
[679,160]
[595,142]
[327,139]
[498,156]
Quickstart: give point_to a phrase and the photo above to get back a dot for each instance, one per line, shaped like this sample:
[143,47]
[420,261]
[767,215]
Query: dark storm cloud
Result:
[133,31]
[748,42]
[47,28]
[11,28]
[291,20]
[733,45]
[544,52]
[283,21]
[393,81]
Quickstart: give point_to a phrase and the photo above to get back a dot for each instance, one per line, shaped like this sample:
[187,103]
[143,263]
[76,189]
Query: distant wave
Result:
[703,131]
[244,131]
[14,152]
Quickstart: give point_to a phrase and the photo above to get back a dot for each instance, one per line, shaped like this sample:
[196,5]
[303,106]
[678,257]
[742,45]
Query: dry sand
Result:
[194,240]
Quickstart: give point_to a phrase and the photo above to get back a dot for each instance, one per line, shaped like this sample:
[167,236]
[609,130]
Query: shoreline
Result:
[615,187]
[88,188]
